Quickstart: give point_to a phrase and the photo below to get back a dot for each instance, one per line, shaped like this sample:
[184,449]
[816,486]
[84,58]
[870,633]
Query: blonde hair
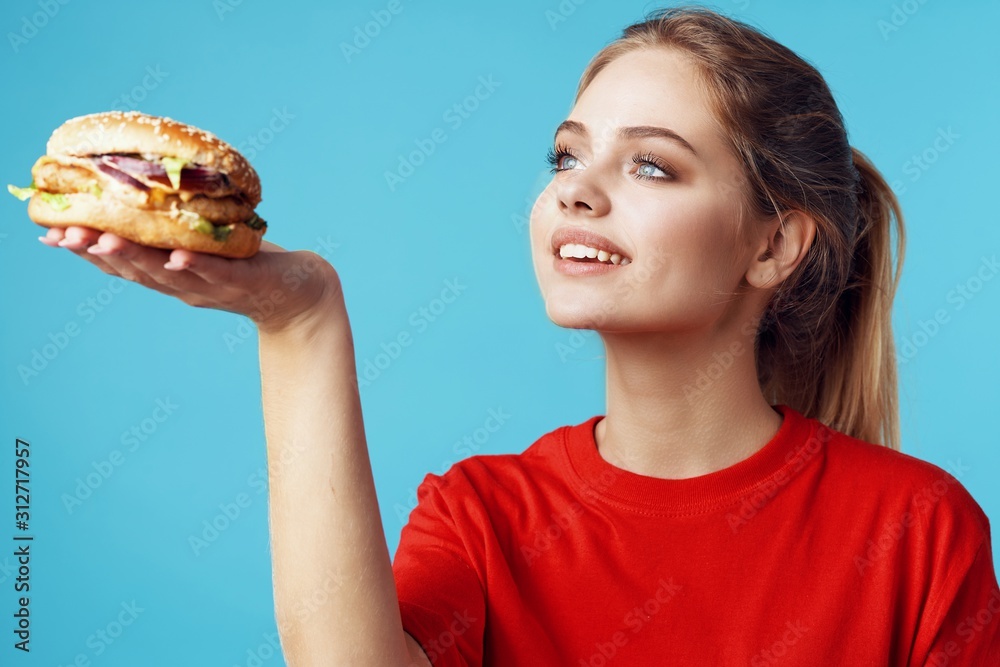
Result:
[824,344]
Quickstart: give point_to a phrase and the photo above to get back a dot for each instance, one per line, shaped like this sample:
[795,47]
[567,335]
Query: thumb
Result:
[267,246]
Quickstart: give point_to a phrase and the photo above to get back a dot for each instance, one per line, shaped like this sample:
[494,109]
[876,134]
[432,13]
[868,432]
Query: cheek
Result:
[539,226]
[687,247]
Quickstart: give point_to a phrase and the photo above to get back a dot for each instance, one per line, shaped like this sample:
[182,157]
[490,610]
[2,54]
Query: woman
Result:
[743,500]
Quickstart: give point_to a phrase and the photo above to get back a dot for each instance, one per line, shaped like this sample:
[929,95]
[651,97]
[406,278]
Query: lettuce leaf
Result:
[173,165]
[256,222]
[195,221]
[22,193]
[95,190]
[222,232]
[59,202]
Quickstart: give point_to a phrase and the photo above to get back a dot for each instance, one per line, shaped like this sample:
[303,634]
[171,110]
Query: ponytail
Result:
[862,386]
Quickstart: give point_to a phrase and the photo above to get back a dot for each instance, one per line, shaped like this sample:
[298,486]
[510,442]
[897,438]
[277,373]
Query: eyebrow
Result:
[633,132]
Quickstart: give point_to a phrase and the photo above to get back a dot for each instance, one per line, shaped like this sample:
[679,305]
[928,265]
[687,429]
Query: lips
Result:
[564,235]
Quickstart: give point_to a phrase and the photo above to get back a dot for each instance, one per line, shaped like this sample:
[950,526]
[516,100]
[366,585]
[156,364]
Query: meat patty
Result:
[57,176]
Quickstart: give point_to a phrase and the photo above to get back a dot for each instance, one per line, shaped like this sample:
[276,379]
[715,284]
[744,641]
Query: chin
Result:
[579,313]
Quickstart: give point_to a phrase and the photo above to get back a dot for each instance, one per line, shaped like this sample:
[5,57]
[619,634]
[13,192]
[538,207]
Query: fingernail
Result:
[47,241]
[175,266]
[99,250]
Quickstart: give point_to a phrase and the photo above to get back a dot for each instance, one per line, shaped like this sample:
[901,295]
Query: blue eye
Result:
[561,159]
[645,168]
[555,158]
[650,160]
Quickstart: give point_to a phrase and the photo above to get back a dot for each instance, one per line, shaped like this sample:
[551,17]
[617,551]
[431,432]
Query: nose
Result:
[579,194]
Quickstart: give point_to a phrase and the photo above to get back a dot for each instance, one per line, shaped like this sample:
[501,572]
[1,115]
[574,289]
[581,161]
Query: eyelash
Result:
[554,156]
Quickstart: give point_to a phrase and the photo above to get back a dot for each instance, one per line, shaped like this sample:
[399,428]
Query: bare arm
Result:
[335,596]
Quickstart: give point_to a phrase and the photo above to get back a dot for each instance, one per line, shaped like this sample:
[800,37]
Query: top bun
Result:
[135,132]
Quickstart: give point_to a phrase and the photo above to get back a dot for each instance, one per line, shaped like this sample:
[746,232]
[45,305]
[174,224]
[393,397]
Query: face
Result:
[672,211]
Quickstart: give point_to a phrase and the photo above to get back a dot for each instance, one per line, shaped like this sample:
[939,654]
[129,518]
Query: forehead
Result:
[651,86]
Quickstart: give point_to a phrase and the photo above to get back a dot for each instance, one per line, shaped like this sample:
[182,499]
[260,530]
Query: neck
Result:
[679,409]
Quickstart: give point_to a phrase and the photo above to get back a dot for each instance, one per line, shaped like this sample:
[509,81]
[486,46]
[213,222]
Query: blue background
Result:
[327,127]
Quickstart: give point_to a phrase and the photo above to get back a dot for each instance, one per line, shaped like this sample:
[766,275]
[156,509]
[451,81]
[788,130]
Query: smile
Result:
[584,253]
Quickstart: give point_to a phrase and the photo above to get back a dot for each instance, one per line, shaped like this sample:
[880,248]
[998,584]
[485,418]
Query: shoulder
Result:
[902,484]
[493,476]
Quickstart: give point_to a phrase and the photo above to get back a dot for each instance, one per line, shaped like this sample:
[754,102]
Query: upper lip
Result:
[564,235]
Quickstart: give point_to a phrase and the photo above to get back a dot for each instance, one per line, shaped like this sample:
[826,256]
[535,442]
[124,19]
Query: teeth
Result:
[580,251]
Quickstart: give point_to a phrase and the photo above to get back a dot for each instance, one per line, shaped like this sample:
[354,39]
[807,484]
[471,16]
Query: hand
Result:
[275,288]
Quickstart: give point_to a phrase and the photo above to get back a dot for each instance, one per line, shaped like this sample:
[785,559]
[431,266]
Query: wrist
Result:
[323,307]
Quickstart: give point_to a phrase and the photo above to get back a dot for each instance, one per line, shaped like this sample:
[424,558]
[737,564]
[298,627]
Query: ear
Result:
[786,241]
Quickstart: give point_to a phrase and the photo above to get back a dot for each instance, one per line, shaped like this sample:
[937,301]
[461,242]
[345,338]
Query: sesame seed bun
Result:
[135,132]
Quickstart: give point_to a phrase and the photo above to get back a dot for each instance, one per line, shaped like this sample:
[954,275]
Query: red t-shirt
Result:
[819,549]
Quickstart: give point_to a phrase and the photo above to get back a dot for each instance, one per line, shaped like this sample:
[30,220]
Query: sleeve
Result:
[441,598]
[961,619]
[969,635]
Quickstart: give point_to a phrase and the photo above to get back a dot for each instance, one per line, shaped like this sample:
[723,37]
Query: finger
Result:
[122,256]
[52,236]
[213,269]
[267,246]
[160,266]
[79,237]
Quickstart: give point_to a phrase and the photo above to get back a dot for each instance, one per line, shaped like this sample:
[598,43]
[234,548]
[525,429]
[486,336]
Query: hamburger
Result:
[149,179]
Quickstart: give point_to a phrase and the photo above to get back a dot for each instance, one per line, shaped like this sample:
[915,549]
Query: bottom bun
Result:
[155,228]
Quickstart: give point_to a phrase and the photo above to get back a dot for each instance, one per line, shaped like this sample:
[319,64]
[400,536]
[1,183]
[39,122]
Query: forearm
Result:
[335,597]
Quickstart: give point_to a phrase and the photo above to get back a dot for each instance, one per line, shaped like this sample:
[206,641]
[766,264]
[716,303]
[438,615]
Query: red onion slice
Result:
[192,177]
[118,174]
